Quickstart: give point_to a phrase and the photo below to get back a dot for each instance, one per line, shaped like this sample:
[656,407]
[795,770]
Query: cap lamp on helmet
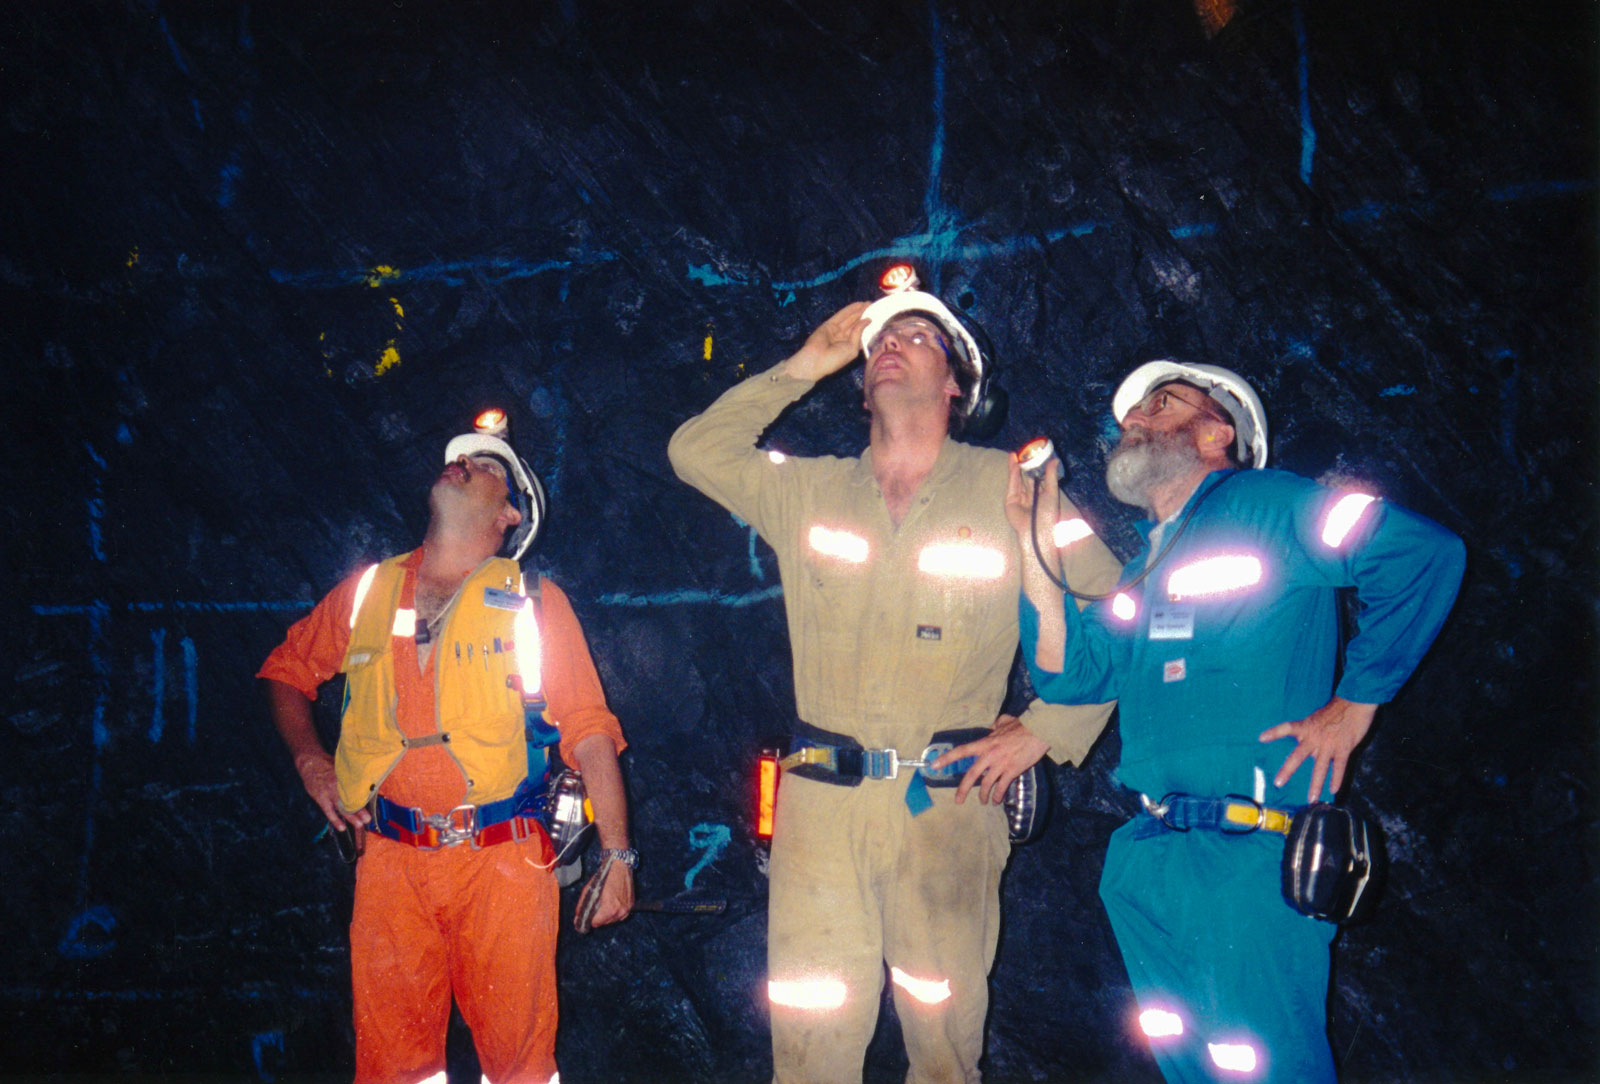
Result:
[490,437]
[1224,387]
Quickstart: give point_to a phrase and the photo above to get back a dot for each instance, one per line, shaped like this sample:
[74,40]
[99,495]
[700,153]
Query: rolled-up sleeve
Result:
[313,649]
[571,683]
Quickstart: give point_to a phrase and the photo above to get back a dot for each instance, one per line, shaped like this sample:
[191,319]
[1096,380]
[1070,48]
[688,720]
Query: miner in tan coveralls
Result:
[900,577]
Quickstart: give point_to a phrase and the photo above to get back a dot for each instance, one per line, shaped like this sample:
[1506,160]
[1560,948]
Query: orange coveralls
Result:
[481,924]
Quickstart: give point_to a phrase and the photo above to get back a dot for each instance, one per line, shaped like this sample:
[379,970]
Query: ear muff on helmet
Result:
[990,401]
[526,494]
[982,406]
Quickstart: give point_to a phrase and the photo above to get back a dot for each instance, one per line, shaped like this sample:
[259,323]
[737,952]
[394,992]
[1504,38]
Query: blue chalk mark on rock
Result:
[89,935]
[259,1045]
[228,184]
[158,682]
[704,273]
[689,596]
[1398,389]
[212,606]
[172,44]
[1110,431]
[191,683]
[712,839]
[1539,190]
[96,502]
[932,207]
[1308,133]
[755,558]
[451,273]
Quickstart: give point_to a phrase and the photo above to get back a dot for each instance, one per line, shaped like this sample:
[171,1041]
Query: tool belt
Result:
[1332,856]
[827,757]
[480,825]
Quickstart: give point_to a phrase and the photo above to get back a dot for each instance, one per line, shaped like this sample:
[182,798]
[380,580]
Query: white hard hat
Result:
[527,494]
[886,308]
[1224,386]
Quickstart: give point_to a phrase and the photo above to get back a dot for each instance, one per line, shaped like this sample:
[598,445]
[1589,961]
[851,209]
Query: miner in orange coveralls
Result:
[448,656]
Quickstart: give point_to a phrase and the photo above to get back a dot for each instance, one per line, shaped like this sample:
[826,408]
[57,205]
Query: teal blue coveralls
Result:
[1237,631]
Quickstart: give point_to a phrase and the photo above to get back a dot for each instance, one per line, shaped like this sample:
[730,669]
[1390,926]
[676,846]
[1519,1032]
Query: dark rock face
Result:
[262,260]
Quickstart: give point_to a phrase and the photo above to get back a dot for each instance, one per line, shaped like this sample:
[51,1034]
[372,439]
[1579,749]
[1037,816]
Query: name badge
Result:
[496,599]
[1171,621]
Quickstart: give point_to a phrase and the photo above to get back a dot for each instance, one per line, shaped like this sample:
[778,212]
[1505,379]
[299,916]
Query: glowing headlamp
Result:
[898,277]
[492,422]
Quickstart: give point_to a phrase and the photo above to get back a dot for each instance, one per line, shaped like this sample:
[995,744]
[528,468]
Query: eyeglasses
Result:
[1162,398]
[914,332]
[490,464]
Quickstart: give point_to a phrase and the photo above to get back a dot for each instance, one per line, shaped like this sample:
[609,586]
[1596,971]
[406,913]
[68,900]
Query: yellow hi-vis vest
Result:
[478,682]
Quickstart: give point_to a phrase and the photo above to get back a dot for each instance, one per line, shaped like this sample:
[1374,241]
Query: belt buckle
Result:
[1236,828]
[932,753]
[889,758]
[452,829]
[1162,810]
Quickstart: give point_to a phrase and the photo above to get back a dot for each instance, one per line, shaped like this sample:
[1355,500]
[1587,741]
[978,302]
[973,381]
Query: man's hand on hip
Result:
[1329,735]
[316,772]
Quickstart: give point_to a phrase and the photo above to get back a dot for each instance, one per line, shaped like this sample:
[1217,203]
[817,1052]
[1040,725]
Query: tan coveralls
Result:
[896,633]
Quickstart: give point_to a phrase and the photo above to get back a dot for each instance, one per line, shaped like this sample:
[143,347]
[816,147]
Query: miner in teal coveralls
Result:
[1226,661]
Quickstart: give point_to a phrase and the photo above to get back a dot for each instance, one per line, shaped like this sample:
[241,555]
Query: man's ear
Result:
[509,516]
[1219,437]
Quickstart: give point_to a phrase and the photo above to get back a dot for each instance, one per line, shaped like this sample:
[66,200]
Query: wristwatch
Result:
[626,855]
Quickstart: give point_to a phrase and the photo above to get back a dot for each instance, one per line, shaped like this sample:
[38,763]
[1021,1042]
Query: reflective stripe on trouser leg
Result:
[941,926]
[856,879]
[1206,936]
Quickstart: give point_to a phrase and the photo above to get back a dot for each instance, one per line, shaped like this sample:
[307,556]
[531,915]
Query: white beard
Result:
[1143,462]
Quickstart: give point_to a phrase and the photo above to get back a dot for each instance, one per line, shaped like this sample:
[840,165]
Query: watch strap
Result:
[626,855]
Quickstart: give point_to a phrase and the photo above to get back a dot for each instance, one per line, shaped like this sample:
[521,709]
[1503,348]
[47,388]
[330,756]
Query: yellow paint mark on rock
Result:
[708,346]
[133,257]
[398,311]
[387,360]
[379,274]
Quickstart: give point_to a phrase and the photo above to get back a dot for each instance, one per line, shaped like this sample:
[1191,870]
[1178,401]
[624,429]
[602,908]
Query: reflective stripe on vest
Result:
[362,587]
